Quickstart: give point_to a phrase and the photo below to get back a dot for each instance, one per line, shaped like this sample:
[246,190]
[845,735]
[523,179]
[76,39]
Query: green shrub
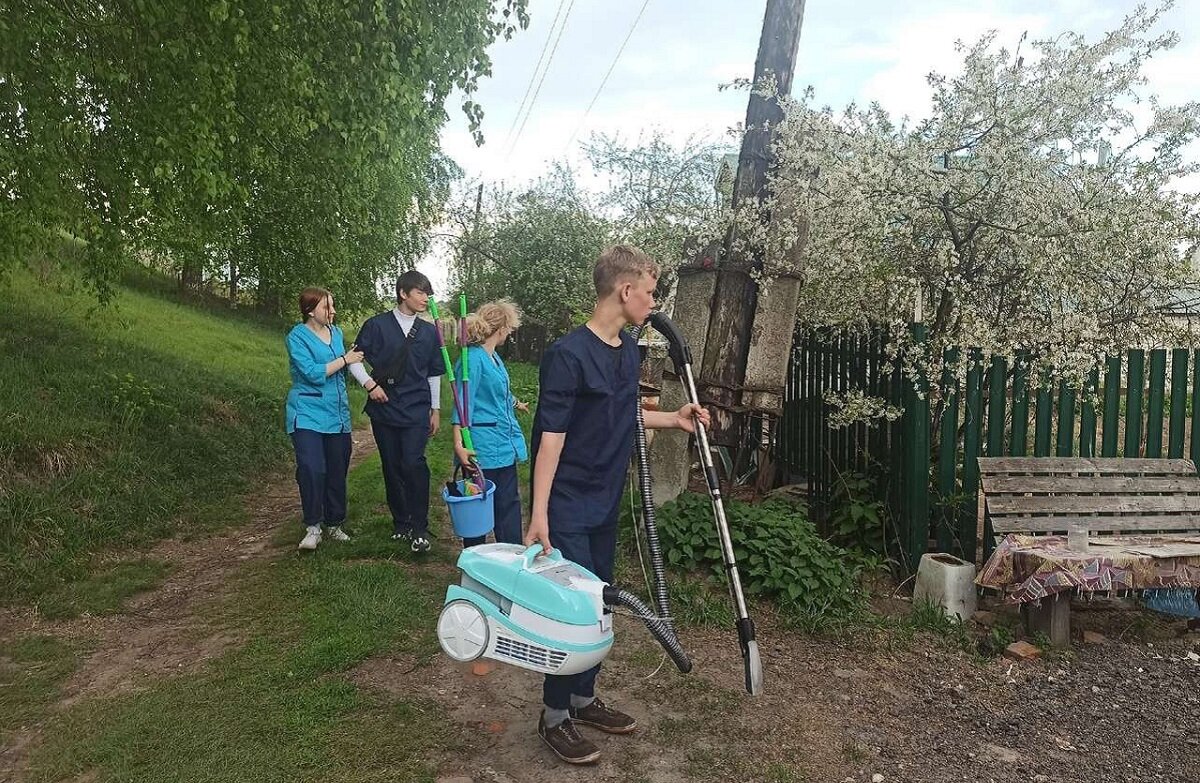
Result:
[778,551]
[858,516]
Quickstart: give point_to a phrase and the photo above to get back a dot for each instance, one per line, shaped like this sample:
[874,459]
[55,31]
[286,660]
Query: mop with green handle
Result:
[465,414]
[459,404]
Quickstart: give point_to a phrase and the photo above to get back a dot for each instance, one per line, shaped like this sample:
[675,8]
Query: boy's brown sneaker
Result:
[604,717]
[567,743]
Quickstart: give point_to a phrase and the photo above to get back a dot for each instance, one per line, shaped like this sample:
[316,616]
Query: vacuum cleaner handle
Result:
[677,345]
[533,550]
[681,355]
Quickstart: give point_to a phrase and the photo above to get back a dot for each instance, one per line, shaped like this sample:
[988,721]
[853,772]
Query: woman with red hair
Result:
[318,416]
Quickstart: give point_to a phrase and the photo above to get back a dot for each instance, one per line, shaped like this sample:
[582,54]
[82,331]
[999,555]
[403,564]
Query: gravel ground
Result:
[1113,711]
[881,709]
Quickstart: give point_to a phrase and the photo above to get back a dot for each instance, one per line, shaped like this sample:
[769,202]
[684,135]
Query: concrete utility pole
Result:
[735,300]
[670,457]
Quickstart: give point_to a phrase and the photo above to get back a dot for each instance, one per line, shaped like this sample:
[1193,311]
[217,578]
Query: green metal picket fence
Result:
[809,451]
[926,462]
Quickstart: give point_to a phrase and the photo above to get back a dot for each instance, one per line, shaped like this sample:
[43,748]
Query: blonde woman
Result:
[496,435]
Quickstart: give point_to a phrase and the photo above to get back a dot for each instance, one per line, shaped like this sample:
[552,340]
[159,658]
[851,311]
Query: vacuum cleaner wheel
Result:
[462,630]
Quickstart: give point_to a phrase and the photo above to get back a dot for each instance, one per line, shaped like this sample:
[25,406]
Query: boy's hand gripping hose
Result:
[681,356]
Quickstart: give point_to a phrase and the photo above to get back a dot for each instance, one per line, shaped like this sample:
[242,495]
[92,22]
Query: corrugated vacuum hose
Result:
[649,520]
[659,628]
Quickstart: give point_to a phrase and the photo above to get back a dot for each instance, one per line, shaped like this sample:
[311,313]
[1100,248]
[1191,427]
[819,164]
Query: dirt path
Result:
[162,632]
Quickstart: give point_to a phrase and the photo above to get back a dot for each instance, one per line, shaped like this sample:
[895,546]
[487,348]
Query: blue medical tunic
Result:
[402,370]
[495,431]
[588,390]
[316,402]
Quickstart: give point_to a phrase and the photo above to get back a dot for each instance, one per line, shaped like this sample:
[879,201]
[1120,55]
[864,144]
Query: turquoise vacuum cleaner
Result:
[553,616]
[546,614]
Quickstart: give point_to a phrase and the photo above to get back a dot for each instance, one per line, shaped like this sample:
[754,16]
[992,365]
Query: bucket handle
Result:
[460,472]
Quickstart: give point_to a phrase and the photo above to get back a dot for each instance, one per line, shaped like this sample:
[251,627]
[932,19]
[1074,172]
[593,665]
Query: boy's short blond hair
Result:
[621,262]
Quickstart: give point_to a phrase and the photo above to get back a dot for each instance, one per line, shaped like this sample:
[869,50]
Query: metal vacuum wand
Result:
[681,355]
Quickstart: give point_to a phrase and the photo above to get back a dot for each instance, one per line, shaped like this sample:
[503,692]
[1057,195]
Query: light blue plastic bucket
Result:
[471,516]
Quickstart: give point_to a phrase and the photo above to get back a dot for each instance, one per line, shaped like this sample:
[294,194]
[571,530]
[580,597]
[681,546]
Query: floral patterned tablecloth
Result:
[1028,568]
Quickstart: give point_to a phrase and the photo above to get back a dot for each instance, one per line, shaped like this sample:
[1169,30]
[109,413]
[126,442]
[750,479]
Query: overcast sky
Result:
[681,51]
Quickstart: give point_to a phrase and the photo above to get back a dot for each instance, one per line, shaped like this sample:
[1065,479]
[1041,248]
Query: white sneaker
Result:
[337,534]
[311,538]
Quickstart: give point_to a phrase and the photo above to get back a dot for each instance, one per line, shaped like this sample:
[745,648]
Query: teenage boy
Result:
[404,398]
[582,441]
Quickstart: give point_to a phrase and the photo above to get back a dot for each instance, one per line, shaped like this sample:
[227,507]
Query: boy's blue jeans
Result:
[595,550]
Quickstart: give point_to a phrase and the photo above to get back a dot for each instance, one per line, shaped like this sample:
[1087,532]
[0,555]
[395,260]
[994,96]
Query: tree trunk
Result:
[723,369]
[191,276]
[268,298]
[233,281]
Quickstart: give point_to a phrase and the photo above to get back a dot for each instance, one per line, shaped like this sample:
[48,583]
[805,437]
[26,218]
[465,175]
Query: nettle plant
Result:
[1041,205]
[779,553]
[858,518]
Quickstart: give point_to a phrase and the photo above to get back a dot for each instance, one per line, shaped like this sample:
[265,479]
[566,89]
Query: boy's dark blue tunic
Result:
[588,390]
[402,365]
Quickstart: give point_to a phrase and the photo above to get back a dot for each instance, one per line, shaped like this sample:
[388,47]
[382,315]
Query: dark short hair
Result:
[413,279]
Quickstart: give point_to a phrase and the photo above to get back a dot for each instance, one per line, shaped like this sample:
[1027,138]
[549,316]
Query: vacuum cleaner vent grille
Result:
[531,655]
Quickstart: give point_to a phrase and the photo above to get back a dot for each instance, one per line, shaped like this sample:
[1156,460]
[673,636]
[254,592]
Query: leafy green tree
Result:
[658,193]
[276,144]
[537,245]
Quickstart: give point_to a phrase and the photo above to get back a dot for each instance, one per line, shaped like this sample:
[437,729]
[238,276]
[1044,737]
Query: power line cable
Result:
[604,81]
[538,89]
[533,76]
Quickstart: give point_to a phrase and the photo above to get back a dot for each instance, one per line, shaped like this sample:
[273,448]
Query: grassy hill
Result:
[123,424]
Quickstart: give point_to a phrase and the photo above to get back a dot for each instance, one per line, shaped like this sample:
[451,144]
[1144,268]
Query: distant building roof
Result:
[1183,301]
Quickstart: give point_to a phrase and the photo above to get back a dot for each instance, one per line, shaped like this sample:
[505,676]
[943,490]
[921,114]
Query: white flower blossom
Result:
[1030,209]
[854,407]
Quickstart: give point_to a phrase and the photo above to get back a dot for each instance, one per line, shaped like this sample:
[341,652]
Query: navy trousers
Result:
[322,460]
[506,501]
[405,476]
[595,550]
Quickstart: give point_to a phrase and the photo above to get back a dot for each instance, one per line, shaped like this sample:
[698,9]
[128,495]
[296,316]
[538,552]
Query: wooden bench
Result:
[1139,510]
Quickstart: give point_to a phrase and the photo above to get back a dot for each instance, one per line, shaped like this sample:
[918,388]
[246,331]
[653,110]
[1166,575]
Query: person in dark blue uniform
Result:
[318,416]
[582,441]
[404,398]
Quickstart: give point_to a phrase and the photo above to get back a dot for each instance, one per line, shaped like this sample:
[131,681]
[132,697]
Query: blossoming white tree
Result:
[1041,205]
